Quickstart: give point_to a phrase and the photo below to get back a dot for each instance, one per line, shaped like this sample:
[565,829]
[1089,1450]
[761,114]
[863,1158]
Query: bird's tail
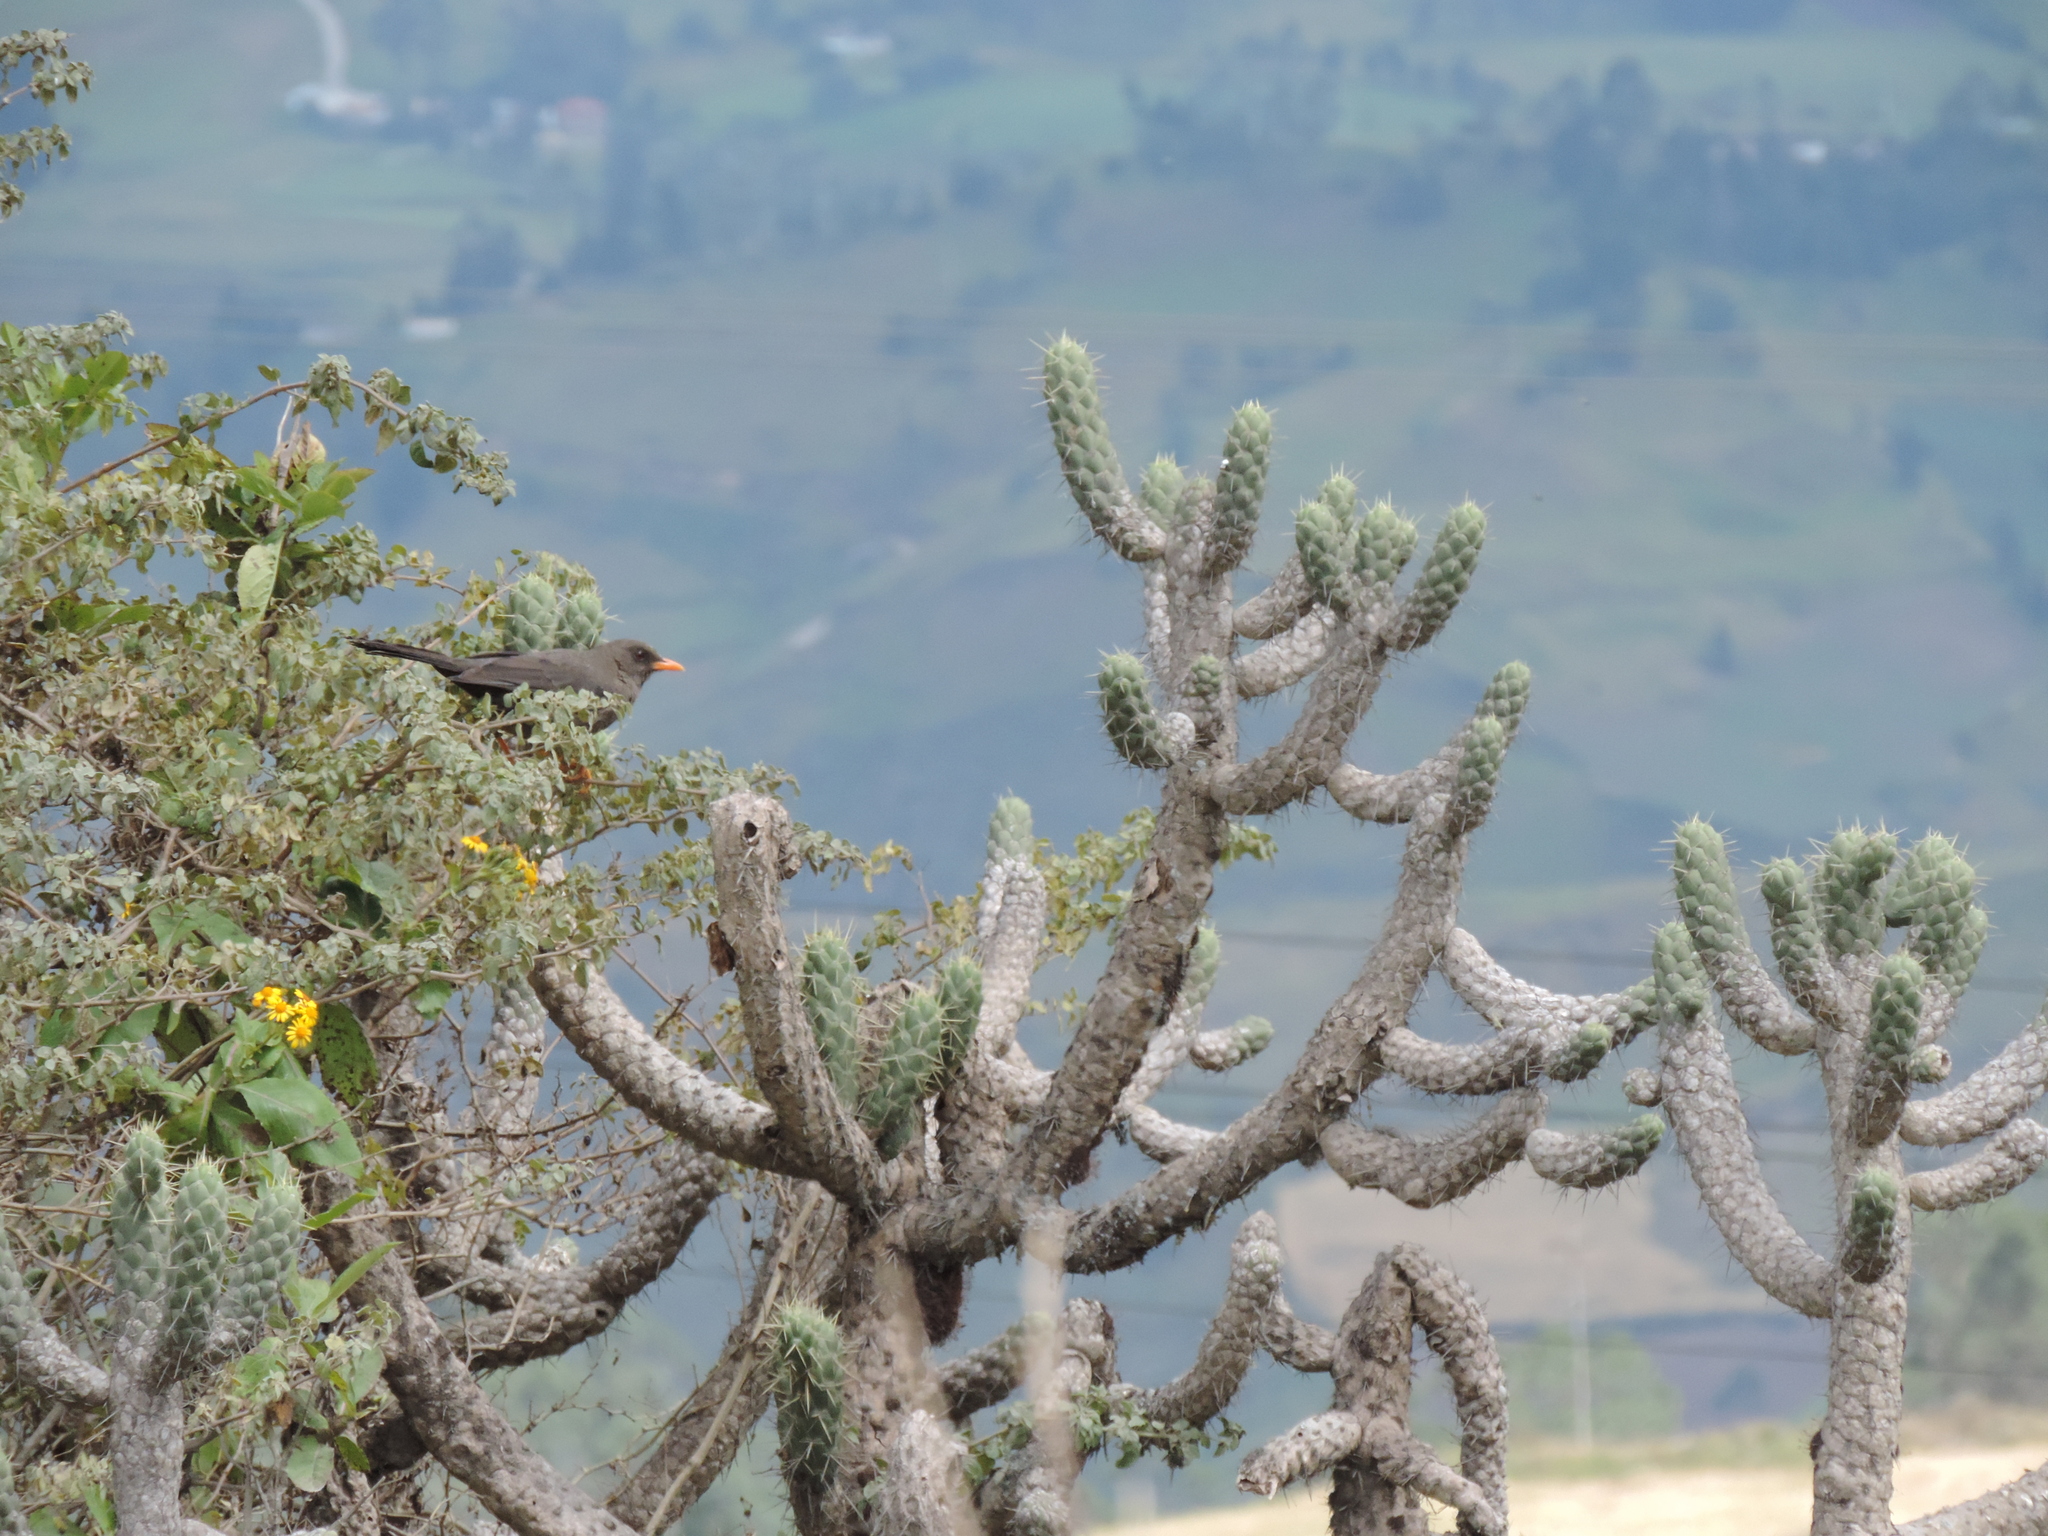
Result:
[440,661]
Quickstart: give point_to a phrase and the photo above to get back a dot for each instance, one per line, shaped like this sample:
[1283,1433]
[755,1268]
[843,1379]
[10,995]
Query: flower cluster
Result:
[528,870]
[297,1012]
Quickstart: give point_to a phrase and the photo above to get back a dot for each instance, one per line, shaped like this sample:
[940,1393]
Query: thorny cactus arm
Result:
[1705,1108]
[1298,1345]
[1428,1171]
[705,1433]
[537,1311]
[1988,1098]
[1706,901]
[750,846]
[653,1079]
[1234,1335]
[466,1432]
[1380,1468]
[2007,1162]
[32,1349]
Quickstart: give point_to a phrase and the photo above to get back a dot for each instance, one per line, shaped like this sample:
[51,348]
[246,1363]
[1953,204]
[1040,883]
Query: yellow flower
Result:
[528,870]
[476,844]
[297,1012]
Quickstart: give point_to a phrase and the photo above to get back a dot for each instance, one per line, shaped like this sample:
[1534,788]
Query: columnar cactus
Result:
[184,1304]
[1871,1021]
[915,1113]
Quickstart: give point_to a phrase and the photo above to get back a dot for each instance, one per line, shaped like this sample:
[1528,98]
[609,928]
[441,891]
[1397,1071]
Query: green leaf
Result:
[174,926]
[256,577]
[348,1068]
[310,1464]
[269,372]
[352,1453]
[318,507]
[339,1208]
[208,1456]
[365,1373]
[58,1027]
[431,996]
[101,1507]
[139,1025]
[300,1119]
[319,1311]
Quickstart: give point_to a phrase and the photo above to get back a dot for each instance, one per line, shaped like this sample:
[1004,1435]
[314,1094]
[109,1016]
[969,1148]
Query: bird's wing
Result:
[538,670]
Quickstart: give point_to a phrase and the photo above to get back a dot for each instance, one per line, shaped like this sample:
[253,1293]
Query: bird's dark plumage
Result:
[617,667]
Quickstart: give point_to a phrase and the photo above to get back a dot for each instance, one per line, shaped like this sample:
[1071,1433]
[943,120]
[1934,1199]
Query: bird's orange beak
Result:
[665,665]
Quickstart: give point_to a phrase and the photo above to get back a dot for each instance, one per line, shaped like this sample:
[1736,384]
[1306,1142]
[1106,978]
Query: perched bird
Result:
[617,667]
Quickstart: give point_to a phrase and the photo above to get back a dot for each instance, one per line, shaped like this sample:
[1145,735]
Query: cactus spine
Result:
[199,1259]
[528,612]
[908,1071]
[810,1395]
[1128,714]
[1384,544]
[832,1002]
[1080,436]
[1240,486]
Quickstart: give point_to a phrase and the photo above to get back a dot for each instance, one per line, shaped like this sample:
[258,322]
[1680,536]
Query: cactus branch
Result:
[1597,1159]
[1308,1450]
[32,1349]
[1713,917]
[653,1079]
[1286,598]
[2008,1162]
[443,1402]
[1288,657]
[1233,1336]
[1296,1344]
[1986,1100]
[1424,1172]
[753,853]
[537,1311]
[1706,1114]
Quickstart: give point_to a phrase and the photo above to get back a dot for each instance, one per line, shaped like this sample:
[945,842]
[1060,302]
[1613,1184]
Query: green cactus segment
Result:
[1934,893]
[1639,1011]
[1930,1064]
[1581,1054]
[199,1261]
[1249,1036]
[581,621]
[1009,832]
[1128,714]
[1629,1146]
[1382,545]
[909,1066]
[1706,890]
[959,1013]
[1240,486]
[1205,677]
[832,1003]
[1205,957]
[527,613]
[269,1253]
[1845,885]
[1080,436]
[18,1312]
[1340,496]
[1796,939]
[1895,999]
[1479,764]
[1322,538]
[138,1220]
[810,1393]
[1868,1246]
[1680,979]
[1160,491]
[1507,696]
[1447,573]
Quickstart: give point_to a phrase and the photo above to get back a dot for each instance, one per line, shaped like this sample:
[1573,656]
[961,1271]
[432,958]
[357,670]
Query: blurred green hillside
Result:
[1733,312]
